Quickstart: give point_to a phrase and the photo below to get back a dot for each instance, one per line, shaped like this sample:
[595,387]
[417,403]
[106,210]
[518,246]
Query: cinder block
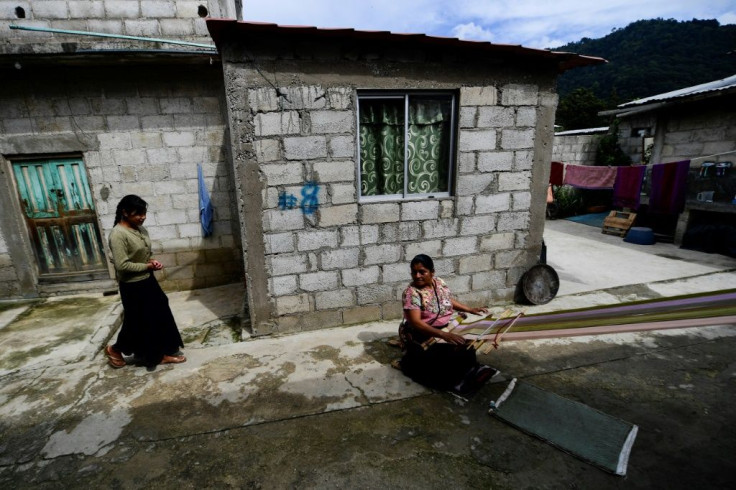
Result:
[466,163]
[283,174]
[374,293]
[159,9]
[380,213]
[495,117]
[526,116]
[277,220]
[263,99]
[522,201]
[284,285]
[342,147]
[514,181]
[441,228]
[362,314]
[87,9]
[478,225]
[475,263]
[278,243]
[338,215]
[493,203]
[409,231]
[327,300]
[458,284]
[514,139]
[478,96]
[114,141]
[177,27]
[335,171]
[477,140]
[49,9]
[467,116]
[419,210]
[122,123]
[302,97]
[510,258]
[287,305]
[518,94]
[176,105]
[473,184]
[349,236]
[318,281]
[359,276]
[141,27]
[342,193]
[326,122]
[381,254]
[398,272]
[340,97]
[512,221]
[460,246]
[433,248]
[120,9]
[314,240]
[277,123]
[267,150]
[178,138]
[488,280]
[495,161]
[305,147]
[344,258]
[288,264]
[524,160]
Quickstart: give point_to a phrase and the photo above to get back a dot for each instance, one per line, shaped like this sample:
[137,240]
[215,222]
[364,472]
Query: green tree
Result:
[580,110]
[609,152]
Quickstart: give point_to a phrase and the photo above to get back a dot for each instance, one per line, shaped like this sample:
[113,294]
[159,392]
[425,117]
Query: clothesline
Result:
[668,183]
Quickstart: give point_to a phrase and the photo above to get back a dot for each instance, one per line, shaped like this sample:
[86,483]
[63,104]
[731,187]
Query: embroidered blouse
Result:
[425,300]
[131,251]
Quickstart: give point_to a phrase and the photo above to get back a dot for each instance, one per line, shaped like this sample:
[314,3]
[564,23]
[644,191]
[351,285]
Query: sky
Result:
[531,23]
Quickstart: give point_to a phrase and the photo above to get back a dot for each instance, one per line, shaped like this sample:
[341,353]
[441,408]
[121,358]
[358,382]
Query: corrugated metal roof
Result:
[572,132]
[703,88]
[229,29]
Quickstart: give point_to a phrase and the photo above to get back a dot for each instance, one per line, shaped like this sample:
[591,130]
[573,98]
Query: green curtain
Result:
[429,145]
[382,145]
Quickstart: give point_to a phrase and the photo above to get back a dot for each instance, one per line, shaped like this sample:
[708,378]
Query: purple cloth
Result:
[627,187]
[669,186]
[557,170]
[587,177]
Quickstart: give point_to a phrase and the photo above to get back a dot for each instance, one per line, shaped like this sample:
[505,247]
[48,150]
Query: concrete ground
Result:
[323,409]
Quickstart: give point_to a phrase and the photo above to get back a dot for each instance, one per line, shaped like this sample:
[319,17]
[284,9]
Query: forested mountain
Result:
[645,58]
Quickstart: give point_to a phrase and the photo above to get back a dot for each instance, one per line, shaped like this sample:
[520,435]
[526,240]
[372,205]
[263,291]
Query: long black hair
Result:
[425,260]
[131,204]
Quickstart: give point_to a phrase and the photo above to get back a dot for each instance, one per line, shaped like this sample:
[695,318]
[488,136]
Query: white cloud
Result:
[532,23]
[727,18]
[472,32]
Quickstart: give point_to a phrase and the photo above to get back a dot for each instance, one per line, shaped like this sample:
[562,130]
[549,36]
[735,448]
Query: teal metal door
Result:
[61,218]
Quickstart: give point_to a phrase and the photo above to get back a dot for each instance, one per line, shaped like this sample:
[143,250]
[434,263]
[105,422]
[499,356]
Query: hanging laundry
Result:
[206,212]
[556,172]
[587,177]
[669,187]
[627,187]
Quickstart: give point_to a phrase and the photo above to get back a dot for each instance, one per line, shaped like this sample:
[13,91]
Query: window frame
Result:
[452,152]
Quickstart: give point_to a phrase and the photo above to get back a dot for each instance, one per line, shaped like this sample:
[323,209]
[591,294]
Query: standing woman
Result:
[428,308]
[149,331]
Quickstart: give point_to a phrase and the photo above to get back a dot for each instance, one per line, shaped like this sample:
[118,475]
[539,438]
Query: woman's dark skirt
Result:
[440,366]
[149,330]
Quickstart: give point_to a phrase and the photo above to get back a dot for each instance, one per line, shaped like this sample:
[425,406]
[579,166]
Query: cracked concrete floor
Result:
[324,410]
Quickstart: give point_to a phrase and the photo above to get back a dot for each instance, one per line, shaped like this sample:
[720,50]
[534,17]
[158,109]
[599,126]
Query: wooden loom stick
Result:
[479,340]
[494,345]
[432,340]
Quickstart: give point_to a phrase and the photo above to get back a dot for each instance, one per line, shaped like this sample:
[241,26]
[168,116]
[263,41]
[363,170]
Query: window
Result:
[406,144]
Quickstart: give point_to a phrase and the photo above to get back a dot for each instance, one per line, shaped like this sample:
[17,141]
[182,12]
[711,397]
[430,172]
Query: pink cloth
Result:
[627,189]
[557,170]
[587,177]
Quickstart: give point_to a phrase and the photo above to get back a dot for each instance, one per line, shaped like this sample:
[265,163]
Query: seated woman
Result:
[428,308]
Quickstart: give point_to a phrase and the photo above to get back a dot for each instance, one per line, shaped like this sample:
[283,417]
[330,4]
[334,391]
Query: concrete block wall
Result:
[345,261]
[576,149]
[139,130]
[182,20]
